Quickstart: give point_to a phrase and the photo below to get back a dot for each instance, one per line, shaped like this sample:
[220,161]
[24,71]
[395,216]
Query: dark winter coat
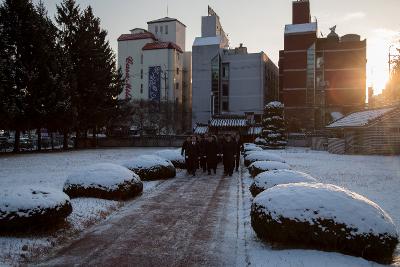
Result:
[192,155]
[184,147]
[229,151]
[238,147]
[211,151]
[202,147]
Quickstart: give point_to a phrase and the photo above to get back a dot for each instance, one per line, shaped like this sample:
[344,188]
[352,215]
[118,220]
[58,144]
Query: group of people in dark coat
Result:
[206,151]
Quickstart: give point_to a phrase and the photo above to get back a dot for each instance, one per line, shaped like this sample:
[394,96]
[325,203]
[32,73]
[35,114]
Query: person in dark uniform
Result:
[229,150]
[202,147]
[238,144]
[184,147]
[211,150]
[192,156]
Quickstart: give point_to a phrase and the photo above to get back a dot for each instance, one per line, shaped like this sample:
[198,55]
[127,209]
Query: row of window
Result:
[162,28]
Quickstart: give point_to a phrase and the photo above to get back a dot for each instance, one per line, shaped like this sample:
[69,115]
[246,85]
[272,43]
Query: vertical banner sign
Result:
[128,86]
[155,83]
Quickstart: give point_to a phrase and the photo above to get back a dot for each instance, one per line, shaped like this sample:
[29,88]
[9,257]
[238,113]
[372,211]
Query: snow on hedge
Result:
[146,162]
[258,167]
[261,156]
[151,167]
[32,208]
[105,181]
[105,176]
[24,201]
[274,104]
[326,217]
[173,155]
[309,202]
[269,179]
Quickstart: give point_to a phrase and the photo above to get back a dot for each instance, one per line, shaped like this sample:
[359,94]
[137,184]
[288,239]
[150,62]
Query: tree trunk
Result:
[77,136]
[16,141]
[65,139]
[52,140]
[39,139]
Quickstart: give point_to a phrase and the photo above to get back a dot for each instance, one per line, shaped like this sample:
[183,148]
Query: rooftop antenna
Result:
[167,8]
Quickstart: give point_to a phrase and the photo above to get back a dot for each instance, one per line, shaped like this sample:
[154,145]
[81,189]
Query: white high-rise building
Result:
[155,64]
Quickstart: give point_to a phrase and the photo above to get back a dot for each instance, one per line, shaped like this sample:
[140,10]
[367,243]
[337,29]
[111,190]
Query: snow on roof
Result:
[359,119]
[301,28]
[136,36]
[336,115]
[162,45]
[309,202]
[202,41]
[228,122]
[201,130]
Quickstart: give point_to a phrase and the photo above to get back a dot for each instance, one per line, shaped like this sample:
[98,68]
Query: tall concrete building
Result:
[320,78]
[228,81]
[156,66]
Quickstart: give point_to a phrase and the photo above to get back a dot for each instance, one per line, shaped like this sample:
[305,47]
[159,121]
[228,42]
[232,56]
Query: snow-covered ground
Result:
[51,170]
[375,177]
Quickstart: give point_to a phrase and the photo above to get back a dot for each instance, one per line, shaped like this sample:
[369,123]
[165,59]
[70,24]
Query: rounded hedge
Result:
[151,167]
[269,179]
[325,217]
[32,208]
[258,167]
[103,180]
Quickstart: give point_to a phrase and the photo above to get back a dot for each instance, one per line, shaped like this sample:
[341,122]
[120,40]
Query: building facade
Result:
[228,81]
[157,68]
[319,76]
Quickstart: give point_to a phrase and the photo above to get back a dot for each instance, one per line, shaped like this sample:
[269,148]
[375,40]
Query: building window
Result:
[177,86]
[225,106]
[141,88]
[141,74]
[156,29]
[141,59]
[177,71]
[166,29]
[161,29]
[225,90]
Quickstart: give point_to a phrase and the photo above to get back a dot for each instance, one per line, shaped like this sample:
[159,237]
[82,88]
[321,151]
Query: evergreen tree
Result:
[18,30]
[67,18]
[43,96]
[274,131]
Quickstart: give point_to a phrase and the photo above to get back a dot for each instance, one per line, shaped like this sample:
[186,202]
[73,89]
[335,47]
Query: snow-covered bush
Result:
[173,155]
[255,149]
[31,208]
[260,141]
[325,217]
[258,167]
[261,156]
[103,180]
[268,179]
[274,130]
[151,167]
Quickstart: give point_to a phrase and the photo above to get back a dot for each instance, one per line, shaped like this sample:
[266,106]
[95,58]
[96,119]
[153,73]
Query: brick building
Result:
[319,77]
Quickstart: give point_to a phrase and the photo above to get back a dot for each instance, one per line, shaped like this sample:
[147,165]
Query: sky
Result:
[259,24]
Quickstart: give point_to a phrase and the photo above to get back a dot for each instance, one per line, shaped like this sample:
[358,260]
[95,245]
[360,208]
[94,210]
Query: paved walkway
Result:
[186,221]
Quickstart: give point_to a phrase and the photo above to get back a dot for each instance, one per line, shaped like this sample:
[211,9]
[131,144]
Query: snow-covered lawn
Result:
[51,170]
[375,177]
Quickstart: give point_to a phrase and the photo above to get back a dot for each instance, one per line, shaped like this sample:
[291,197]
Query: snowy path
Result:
[186,221]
